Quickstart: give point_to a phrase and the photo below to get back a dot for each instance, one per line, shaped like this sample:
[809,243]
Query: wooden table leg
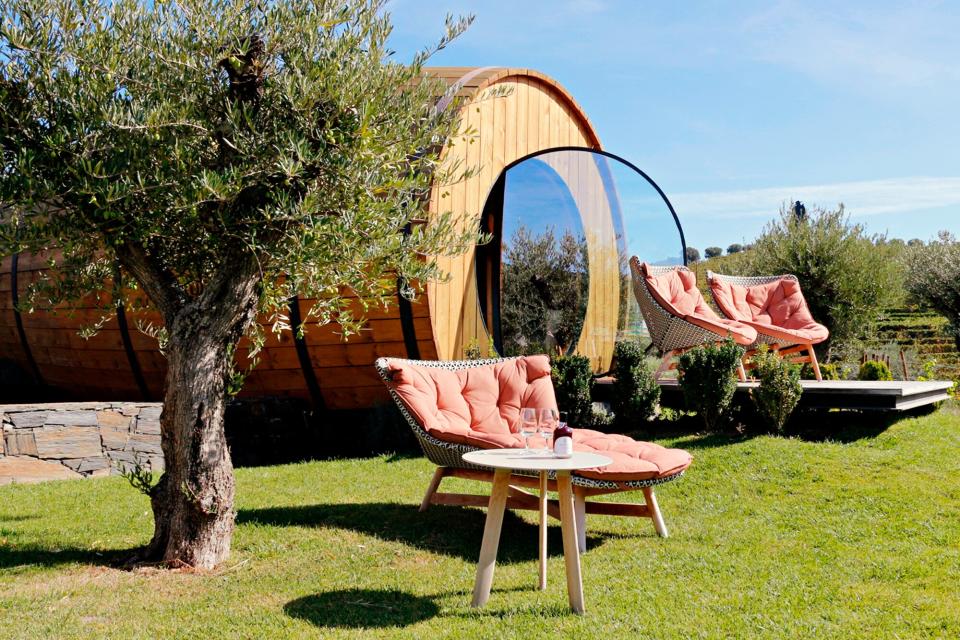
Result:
[543,530]
[491,537]
[571,551]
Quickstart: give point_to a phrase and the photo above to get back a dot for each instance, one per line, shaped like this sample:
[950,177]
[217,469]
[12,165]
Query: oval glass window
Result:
[555,277]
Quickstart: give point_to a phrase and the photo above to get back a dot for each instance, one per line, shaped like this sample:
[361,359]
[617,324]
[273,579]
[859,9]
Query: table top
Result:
[534,460]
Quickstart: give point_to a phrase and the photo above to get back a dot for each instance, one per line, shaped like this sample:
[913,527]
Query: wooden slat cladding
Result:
[534,113]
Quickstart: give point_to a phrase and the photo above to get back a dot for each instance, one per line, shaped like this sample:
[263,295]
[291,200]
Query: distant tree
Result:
[544,292]
[713,252]
[845,279]
[915,242]
[933,278]
[748,246]
[693,255]
[734,248]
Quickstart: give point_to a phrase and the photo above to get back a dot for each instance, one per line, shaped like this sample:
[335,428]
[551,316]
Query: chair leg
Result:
[655,515]
[664,364]
[814,363]
[438,475]
[580,513]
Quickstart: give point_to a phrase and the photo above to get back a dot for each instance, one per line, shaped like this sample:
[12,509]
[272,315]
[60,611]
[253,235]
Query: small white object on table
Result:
[506,461]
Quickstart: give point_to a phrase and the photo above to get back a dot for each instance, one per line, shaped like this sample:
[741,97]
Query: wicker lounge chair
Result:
[677,316]
[776,308]
[458,406]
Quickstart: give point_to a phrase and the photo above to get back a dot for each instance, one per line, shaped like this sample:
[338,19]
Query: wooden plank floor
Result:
[896,395]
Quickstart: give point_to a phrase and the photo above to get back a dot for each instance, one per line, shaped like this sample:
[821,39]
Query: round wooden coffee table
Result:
[506,461]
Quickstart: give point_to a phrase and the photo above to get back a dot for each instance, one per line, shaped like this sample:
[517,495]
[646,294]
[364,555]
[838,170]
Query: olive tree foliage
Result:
[845,278]
[544,291]
[933,277]
[223,156]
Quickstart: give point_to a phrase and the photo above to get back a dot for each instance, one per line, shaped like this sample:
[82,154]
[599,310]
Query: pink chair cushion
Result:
[776,308]
[480,400]
[481,406]
[677,292]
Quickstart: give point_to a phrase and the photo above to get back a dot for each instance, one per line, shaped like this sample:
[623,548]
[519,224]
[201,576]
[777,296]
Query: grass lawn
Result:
[771,538]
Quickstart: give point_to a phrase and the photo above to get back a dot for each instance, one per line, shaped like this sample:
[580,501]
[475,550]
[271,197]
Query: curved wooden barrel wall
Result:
[516,112]
[513,112]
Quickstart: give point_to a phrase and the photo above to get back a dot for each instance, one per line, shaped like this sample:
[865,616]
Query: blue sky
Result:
[736,107]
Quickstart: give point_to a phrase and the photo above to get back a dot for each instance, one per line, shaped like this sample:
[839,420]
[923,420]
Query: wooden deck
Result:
[846,394]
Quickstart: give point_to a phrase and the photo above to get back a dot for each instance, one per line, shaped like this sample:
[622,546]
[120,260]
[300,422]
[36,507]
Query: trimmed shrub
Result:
[707,376]
[779,390]
[828,371]
[874,370]
[635,392]
[846,278]
[573,384]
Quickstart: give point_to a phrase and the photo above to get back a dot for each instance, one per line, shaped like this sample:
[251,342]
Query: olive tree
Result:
[845,276]
[933,278]
[216,158]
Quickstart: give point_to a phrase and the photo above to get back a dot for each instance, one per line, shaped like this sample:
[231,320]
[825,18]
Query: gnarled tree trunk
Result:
[193,501]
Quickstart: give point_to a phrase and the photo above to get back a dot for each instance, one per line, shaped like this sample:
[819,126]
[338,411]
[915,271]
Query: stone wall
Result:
[87,438]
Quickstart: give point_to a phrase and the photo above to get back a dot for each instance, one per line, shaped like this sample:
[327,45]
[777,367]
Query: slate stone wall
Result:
[89,438]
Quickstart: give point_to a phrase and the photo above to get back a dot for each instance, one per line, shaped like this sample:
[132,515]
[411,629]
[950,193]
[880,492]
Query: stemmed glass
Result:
[548,422]
[528,426]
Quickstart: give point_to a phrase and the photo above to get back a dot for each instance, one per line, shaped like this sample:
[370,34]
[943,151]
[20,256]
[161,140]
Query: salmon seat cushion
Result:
[775,308]
[677,292]
[480,407]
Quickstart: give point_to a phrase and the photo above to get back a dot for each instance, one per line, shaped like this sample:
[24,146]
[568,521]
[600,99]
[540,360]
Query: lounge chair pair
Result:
[767,310]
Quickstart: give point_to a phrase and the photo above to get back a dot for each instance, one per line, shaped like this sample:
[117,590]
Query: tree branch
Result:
[159,284]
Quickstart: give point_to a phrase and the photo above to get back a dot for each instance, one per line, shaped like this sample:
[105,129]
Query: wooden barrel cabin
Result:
[552,278]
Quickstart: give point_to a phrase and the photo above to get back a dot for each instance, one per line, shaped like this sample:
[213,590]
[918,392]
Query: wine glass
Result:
[548,422]
[528,426]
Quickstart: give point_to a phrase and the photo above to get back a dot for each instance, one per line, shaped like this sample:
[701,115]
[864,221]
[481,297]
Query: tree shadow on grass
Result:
[381,608]
[362,608]
[40,556]
[452,531]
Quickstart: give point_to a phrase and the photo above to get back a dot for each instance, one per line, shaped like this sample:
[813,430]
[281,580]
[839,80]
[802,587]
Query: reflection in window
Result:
[544,277]
[544,291]
[555,279]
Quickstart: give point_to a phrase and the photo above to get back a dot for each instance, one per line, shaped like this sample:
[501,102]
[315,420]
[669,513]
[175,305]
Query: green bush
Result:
[933,278]
[847,277]
[779,390]
[874,370]
[828,371]
[707,377]
[472,350]
[635,392]
[573,383]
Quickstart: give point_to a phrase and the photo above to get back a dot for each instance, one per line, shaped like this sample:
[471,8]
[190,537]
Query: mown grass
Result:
[771,538]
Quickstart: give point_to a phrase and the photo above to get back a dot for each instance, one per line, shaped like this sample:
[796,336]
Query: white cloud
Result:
[883,47]
[862,198]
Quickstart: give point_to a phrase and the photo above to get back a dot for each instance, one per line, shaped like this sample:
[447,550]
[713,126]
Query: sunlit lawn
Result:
[771,537]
